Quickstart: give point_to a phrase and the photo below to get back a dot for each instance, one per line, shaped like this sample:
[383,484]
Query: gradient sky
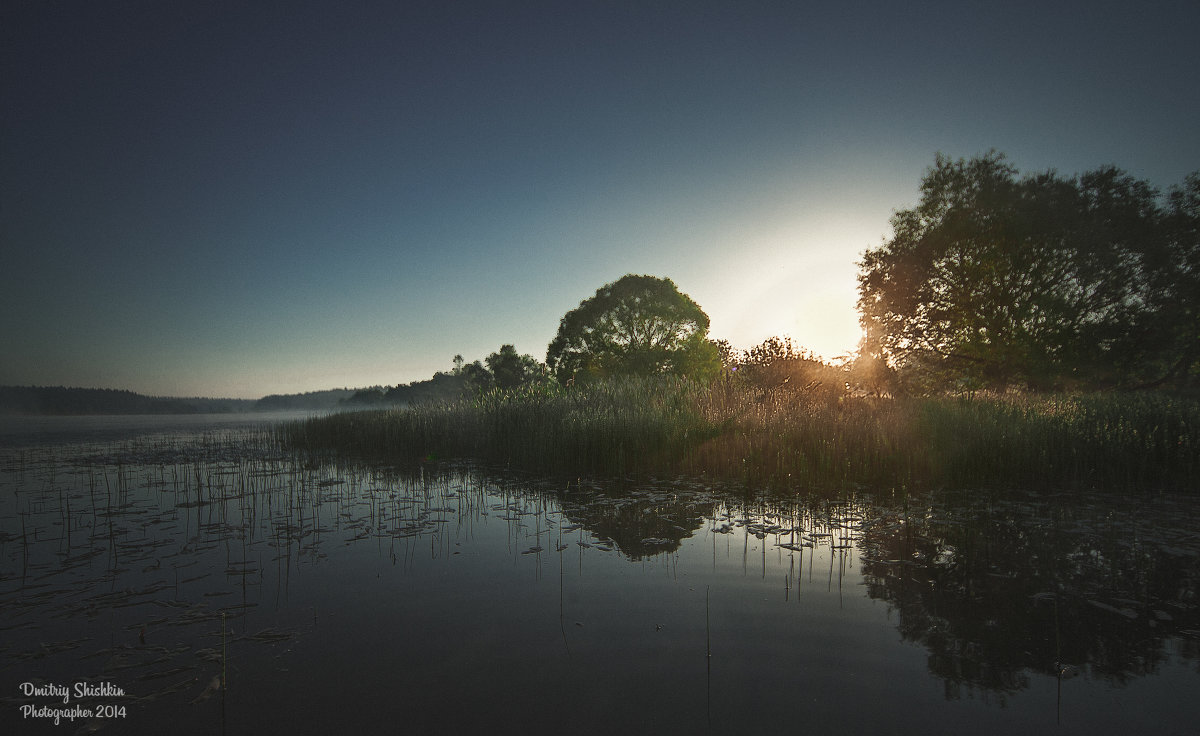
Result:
[244,198]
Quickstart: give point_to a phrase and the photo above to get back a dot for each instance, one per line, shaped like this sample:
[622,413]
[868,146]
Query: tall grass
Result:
[789,438]
[1110,440]
[612,426]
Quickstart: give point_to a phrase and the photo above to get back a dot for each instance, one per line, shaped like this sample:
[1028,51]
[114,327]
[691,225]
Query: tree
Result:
[634,325]
[777,366]
[476,377]
[1175,290]
[993,280]
[510,370]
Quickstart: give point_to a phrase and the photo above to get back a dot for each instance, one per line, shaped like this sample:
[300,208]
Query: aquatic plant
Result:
[789,436]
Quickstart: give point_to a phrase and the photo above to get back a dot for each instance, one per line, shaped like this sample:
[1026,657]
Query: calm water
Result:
[159,557]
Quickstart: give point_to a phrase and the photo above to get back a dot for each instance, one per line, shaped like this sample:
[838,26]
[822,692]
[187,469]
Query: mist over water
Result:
[34,430]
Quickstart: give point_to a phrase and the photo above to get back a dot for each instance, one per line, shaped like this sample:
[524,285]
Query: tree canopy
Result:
[634,325]
[509,370]
[1044,281]
[503,369]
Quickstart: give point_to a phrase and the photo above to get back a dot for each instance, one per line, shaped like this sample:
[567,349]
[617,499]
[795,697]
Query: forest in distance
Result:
[64,401]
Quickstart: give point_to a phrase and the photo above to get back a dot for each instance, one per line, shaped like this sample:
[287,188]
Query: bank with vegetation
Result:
[1038,331]
[789,437]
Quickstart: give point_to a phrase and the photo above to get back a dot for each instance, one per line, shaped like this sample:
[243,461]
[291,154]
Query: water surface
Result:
[331,596]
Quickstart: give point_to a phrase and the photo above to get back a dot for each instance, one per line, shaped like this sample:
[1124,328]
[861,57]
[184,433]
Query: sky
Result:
[235,199]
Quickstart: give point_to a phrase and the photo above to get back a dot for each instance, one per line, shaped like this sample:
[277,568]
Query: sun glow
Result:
[813,300]
[824,324]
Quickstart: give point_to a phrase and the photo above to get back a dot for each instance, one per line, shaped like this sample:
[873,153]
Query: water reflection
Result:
[172,566]
[997,587]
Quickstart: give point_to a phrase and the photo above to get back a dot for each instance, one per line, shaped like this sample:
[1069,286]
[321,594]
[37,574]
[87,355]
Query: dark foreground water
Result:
[140,570]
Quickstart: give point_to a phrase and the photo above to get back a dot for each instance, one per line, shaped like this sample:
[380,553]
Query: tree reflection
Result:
[641,523]
[998,587]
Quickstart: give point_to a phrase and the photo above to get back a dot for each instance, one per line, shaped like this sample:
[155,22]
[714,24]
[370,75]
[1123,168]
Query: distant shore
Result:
[62,401]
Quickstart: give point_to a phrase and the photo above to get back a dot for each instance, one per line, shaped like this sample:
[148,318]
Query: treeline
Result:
[503,369]
[312,400]
[58,400]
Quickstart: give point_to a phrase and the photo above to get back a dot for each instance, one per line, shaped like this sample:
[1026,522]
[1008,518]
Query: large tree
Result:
[636,324]
[1174,298]
[1041,280]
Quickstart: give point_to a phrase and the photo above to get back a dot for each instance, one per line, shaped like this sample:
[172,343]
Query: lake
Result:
[144,561]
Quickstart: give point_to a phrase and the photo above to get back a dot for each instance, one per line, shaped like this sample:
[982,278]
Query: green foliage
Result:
[1041,281]
[778,368]
[366,397]
[1173,337]
[636,325]
[509,370]
[603,426]
[503,369]
[440,387]
[1104,440]
[476,377]
[699,359]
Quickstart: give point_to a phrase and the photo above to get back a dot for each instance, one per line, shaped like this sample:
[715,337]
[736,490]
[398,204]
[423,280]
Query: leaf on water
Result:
[271,635]
[214,686]
[1128,613]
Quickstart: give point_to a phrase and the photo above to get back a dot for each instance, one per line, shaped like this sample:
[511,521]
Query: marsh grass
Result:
[604,427]
[787,439]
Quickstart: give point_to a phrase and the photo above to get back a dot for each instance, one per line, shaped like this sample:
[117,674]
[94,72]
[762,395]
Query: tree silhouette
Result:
[510,370]
[635,325]
[1043,281]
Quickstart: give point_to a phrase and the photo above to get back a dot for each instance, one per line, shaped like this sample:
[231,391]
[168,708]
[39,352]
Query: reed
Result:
[788,439]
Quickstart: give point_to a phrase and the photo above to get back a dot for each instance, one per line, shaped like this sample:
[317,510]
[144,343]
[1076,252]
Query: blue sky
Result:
[236,199]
